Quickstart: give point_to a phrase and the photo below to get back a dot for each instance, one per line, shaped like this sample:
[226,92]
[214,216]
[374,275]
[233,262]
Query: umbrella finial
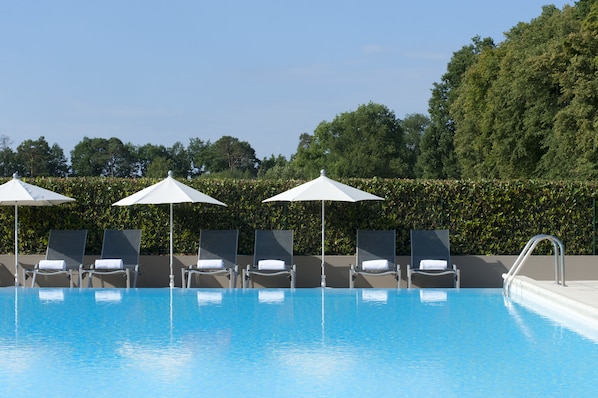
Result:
[170,173]
[323,173]
[15,175]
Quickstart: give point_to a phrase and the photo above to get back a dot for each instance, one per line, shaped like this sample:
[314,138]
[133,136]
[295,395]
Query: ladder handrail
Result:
[559,260]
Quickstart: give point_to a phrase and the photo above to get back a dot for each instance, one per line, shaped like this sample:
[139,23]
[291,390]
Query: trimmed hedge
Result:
[484,217]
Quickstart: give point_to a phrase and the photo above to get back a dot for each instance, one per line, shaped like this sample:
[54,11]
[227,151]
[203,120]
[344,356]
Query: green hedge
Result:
[484,217]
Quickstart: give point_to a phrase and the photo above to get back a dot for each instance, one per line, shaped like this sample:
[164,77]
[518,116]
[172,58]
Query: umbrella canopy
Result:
[322,189]
[168,191]
[18,193]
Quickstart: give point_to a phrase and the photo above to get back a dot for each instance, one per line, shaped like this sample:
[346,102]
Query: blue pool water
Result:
[283,343]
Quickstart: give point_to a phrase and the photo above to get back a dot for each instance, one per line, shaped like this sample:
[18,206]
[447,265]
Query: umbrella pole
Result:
[323,281]
[171,278]
[16,245]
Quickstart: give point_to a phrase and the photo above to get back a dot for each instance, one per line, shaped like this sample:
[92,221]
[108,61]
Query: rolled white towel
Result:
[432,265]
[375,265]
[270,265]
[211,263]
[109,263]
[54,265]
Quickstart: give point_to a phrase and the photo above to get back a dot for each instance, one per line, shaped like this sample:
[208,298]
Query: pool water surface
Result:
[285,343]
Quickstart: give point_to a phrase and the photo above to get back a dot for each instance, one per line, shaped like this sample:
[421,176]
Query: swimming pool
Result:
[274,343]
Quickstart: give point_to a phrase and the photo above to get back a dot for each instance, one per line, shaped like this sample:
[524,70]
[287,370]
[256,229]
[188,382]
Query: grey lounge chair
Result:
[64,255]
[431,255]
[272,255]
[120,255]
[376,255]
[217,255]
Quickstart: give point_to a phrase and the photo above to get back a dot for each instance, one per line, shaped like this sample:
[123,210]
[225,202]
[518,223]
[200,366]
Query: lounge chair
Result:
[376,255]
[272,255]
[431,255]
[217,255]
[64,255]
[120,255]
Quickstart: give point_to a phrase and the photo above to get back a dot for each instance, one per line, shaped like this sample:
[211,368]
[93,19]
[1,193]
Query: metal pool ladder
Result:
[559,260]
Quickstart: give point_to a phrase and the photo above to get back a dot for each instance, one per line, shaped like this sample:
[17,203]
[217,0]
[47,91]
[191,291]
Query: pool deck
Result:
[577,297]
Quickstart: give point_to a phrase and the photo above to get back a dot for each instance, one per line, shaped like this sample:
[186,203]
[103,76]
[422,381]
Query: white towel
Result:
[212,263]
[375,265]
[432,264]
[270,265]
[55,265]
[109,263]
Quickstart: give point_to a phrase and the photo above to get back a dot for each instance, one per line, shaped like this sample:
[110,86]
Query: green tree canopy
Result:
[365,143]
[103,157]
[438,158]
[36,158]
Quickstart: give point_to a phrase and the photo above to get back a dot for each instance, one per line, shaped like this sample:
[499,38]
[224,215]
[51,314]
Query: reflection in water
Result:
[209,298]
[108,296]
[374,295]
[269,296]
[51,295]
[432,296]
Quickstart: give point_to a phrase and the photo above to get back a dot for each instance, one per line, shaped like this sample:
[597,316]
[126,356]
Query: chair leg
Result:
[128,272]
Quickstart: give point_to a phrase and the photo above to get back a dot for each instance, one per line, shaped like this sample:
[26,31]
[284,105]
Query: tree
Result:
[231,155]
[365,143]
[8,161]
[527,108]
[198,152]
[179,158]
[438,158]
[414,125]
[149,154]
[36,158]
[103,157]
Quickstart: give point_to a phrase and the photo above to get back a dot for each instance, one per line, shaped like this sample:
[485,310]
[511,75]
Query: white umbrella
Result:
[16,192]
[323,188]
[168,191]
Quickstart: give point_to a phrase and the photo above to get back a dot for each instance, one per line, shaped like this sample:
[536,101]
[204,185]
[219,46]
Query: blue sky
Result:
[263,71]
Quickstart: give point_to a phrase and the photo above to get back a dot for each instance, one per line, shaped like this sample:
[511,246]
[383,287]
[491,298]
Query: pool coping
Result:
[574,305]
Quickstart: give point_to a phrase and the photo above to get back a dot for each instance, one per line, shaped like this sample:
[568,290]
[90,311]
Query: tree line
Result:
[372,130]
[524,108]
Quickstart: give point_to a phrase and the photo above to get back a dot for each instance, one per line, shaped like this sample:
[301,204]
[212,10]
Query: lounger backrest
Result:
[67,245]
[219,244]
[430,245]
[273,245]
[376,245]
[124,244]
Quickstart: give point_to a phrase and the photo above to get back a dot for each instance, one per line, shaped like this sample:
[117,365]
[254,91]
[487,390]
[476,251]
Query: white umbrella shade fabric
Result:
[18,193]
[323,189]
[168,191]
